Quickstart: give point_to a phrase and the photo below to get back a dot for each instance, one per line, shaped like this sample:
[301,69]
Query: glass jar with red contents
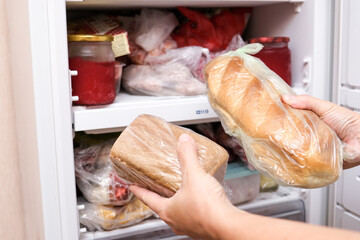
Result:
[276,55]
[94,60]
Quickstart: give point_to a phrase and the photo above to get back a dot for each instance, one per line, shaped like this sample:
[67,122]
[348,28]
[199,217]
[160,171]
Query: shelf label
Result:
[202,111]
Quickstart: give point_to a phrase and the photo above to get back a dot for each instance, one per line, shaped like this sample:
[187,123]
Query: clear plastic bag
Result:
[98,217]
[152,27]
[145,154]
[194,58]
[96,177]
[293,146]
[170,79]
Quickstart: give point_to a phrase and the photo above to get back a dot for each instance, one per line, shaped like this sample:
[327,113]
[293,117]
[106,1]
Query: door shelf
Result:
[119,114]
[84,4]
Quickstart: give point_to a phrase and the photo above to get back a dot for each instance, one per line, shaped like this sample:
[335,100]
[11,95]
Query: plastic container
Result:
[118,73]
[243,183]
[93,58]
[276,55]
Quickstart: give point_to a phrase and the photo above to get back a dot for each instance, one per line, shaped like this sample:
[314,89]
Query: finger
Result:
[151,199]
[316,105]
[187,155]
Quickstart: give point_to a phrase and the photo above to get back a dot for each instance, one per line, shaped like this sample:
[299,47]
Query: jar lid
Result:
[90,38]
[269,40]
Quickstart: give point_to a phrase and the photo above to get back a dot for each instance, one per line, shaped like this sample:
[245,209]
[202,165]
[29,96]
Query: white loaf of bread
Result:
[293,146]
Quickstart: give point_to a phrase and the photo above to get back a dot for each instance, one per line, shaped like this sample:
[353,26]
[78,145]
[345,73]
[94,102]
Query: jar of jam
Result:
[94,60]
[276,55]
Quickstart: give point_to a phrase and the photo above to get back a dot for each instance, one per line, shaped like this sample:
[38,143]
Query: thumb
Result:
[151,199]
[188,158]
[318,106]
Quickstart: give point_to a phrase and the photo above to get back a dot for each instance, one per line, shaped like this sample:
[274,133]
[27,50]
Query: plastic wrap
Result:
[215,132]
[268,184]
[96,177]
[243,183]
[170,79]
[99,217]
[152,27]
[214,32]
[146,154]
[293,146]
[194,58]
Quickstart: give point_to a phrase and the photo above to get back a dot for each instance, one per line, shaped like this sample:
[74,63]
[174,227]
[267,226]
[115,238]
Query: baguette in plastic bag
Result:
[293,146]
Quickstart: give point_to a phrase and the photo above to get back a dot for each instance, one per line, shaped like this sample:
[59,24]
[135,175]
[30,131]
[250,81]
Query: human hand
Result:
[196,209]
[344,122]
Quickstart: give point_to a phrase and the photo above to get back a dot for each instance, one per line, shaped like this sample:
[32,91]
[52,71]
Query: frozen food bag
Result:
[170,79]
[152,27]
[99,217]
[145,154]
[293,146]
[97,178]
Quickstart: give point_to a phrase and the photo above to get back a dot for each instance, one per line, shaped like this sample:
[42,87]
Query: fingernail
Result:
[184,137]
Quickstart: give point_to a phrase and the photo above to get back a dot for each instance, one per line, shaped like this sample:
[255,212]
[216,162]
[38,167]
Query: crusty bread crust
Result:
[294,146]
[145,154]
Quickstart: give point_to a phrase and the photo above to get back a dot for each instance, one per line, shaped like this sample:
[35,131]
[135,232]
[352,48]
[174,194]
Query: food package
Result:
[293,146]
[103,24]
[96,177]
[193,57]
[267,184]
[171,79]
[145,154]
[118,74]
[215,32]
[232,145]
[99,217]
[152,27]
[243,183]
[215,132]
[138,54]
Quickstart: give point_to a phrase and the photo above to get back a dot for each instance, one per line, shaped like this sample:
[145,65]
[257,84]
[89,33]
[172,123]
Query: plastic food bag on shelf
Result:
[232,144]
[152,27]
[194,58]
[138,54]
[293,146]
[212,32]
[99,217]
[96,177]
[145,154]
[170,79]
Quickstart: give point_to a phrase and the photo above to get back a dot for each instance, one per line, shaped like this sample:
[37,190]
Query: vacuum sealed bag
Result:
[145,154]
[99,217]
[293,146]
[97,178]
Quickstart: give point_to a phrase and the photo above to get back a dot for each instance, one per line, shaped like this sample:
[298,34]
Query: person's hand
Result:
[344,122]
[197,208]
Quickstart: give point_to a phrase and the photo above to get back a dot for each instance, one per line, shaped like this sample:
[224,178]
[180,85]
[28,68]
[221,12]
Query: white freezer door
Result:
[345,195]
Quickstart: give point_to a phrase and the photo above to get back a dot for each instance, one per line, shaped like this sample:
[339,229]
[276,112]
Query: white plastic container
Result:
[243,183]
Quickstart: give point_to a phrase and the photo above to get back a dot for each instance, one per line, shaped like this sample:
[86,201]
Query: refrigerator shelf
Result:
[119,114]
[88,4]
[285,203]
[126,107]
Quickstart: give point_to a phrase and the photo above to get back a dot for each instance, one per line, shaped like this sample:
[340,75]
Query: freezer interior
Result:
[306,23]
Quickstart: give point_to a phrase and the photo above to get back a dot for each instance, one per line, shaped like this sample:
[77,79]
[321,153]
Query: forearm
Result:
[241,225]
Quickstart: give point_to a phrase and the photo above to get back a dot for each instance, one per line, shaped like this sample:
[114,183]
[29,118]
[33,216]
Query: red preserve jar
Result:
[93,58]
[276,55]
